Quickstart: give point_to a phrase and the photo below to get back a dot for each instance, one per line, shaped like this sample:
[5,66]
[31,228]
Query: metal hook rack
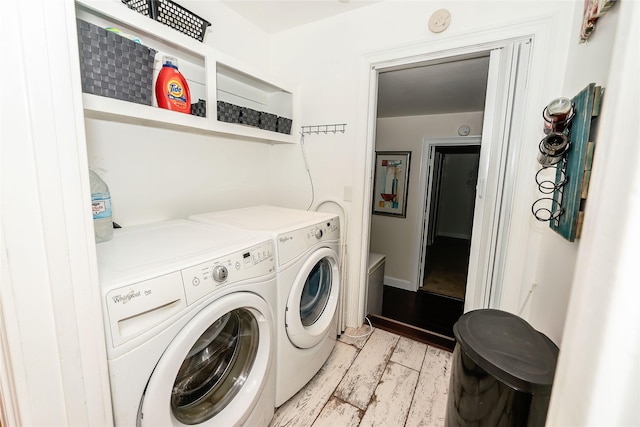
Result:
[318,129]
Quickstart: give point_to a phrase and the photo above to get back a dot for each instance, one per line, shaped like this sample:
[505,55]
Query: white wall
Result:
[53,367]
[155,174]
[597,378]
[587,63]
[399,238]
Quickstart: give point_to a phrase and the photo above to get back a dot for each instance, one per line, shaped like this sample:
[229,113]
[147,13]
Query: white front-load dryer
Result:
[188,313]
[307,247]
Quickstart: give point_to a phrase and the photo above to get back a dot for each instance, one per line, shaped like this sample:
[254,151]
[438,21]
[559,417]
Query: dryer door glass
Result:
[215,368]
[316,292]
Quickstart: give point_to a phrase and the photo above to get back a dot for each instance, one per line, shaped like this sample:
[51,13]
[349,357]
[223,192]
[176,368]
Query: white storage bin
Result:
[375,282]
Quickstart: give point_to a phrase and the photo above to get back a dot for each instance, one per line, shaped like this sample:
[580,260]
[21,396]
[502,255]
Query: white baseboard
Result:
[399,283]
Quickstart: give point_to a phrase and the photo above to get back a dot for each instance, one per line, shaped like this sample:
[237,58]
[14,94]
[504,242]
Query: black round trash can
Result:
[502,372]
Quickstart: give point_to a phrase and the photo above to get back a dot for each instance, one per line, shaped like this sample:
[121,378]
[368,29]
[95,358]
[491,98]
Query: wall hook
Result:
[325,129]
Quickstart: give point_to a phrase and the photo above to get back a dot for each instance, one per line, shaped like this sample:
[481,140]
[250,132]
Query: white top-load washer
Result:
[188,313]
[307,246]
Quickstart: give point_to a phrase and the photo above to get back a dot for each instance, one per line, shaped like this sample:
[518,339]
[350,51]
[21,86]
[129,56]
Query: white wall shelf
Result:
[212,76]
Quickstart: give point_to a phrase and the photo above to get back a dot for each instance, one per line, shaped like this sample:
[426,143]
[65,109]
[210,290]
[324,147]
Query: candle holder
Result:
[557,115]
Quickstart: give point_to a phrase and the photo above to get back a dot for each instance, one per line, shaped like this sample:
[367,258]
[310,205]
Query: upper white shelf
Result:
[212,76]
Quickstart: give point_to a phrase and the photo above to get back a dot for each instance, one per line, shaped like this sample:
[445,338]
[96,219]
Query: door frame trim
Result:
[471,44]
[545,29]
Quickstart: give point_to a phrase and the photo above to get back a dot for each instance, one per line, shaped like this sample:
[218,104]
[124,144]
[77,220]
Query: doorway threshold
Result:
[424,310]
[431,338]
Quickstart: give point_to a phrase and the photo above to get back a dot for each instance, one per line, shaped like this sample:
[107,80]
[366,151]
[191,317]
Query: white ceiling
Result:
[277,15]
[451,87]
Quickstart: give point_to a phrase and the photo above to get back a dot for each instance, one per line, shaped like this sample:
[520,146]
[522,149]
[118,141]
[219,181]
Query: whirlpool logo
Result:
[125,298]
[285,239]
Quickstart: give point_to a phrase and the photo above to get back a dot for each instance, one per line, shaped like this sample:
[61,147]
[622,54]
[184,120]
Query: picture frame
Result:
[593,10]
[391,183]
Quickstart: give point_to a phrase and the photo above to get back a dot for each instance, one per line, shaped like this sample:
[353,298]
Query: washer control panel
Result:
[293,243]
[202,279]
[141,306]
[220,273]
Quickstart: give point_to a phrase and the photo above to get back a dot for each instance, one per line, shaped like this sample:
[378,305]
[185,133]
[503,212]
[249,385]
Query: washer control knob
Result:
[318,233]
[220,273]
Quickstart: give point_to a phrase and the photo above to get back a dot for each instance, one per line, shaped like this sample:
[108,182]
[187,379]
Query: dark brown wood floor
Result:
[421,316]
[429,314]
[422,309]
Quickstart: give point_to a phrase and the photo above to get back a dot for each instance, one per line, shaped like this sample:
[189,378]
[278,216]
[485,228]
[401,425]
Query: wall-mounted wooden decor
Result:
[575,170]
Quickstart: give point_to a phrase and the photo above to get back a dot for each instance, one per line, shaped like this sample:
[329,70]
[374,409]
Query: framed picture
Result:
[391,183]
[593,10]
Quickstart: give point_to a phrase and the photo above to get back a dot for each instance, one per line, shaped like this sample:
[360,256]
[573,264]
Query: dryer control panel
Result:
[294,243]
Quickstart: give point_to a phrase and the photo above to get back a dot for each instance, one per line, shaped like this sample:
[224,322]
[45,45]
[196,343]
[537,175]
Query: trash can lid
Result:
[507,347]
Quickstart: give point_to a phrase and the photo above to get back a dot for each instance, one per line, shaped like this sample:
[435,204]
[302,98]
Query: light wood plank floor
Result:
[380,379]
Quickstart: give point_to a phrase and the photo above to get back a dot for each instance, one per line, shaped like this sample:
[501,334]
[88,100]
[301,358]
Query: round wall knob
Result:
[220,273]
[439,21]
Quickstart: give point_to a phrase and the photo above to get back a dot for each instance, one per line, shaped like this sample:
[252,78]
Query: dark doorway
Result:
[450,223]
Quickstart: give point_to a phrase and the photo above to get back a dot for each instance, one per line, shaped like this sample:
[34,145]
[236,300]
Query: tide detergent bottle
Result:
[172,90]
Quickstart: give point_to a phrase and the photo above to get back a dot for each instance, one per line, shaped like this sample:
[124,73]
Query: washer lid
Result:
[507,347]
[267,218]
[145,251]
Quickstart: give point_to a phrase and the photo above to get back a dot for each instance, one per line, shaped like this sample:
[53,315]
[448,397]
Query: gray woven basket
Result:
[284,125]
[114,66]
[199,108]
[249,116]
[173,15]
[268,121]
[227,112]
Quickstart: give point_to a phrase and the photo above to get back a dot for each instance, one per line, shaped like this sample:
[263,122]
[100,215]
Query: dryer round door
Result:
[214,370]
[313,299]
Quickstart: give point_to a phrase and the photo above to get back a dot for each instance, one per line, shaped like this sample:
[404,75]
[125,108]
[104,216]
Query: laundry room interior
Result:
[453,92]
